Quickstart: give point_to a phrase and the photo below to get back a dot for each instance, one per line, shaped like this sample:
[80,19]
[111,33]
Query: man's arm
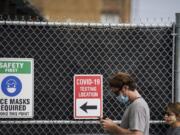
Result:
[110,126]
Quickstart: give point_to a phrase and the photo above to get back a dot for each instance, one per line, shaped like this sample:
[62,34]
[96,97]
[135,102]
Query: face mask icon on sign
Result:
[11,86]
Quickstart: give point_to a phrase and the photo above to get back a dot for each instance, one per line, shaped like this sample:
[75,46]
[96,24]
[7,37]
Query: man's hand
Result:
[108,124]
[112,127]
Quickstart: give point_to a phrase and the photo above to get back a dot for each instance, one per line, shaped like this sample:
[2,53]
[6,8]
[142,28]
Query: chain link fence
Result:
[62,50]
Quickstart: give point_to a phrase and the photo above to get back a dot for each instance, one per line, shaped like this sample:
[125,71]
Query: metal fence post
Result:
[177,57]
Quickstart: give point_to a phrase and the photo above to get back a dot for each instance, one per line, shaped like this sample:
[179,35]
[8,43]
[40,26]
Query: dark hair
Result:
[174,107]
[118,80]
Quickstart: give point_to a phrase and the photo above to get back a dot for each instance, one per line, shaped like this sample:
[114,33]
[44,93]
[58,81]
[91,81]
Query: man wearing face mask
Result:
[135,120]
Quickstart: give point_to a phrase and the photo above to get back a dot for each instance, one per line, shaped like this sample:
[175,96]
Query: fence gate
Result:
[62,50]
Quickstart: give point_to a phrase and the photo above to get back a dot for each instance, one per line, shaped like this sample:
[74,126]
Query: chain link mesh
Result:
[60,51]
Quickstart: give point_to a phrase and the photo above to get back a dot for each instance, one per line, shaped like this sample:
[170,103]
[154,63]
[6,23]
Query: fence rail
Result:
[42,23]
[65,122]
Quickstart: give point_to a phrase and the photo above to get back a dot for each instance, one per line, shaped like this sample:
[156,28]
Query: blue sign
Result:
[11,86]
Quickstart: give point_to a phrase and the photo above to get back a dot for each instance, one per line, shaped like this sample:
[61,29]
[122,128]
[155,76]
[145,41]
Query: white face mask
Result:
[123,99]
[11,90]
[11,86]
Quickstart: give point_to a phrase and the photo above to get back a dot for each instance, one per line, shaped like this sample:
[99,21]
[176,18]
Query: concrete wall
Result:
[81,10]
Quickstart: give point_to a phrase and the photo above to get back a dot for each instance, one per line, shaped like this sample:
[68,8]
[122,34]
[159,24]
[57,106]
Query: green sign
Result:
[20,67]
